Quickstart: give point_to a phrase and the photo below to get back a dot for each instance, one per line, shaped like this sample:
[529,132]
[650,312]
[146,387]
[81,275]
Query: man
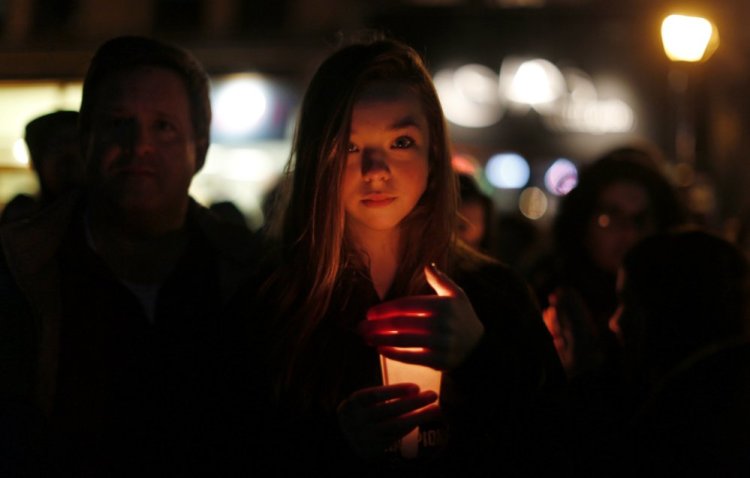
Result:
[55,155]
[128,284]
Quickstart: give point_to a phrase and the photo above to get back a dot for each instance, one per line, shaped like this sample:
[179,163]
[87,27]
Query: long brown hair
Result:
[313,242]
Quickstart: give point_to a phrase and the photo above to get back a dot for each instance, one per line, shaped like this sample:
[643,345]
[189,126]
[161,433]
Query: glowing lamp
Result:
[687,38]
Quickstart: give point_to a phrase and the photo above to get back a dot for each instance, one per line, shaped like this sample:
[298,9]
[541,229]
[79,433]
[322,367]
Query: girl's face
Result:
[621,219]
[387,163]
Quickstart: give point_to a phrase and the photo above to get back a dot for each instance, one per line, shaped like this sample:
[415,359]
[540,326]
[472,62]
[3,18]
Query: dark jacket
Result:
[35,283]
[497,406]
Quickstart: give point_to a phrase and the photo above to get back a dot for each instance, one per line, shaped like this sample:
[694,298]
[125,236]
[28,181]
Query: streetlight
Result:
[688,40]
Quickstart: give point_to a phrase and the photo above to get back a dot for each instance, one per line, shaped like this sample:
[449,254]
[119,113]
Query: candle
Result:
[425,377]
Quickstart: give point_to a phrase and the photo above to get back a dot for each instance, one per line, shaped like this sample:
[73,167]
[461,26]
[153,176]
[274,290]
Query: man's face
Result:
[142,150]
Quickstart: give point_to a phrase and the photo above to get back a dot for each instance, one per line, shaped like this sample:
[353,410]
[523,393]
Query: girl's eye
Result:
[352,148]
[403,142]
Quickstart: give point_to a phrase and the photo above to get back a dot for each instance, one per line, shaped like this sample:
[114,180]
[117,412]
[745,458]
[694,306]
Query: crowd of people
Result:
[143,334]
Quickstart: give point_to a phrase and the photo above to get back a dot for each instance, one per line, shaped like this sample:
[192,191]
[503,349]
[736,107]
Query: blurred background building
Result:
[533,89]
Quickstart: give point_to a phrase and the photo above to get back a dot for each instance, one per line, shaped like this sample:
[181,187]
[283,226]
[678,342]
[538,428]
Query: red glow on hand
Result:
[413,350]
[387,331]
[379,313]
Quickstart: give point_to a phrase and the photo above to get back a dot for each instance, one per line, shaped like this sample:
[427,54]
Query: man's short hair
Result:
[127,53]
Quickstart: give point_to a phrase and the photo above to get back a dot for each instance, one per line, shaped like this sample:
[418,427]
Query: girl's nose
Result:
[375,166]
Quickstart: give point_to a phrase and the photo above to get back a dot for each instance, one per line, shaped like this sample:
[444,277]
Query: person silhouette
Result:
[122,350]
[684,323]
[55,156]
[477,213]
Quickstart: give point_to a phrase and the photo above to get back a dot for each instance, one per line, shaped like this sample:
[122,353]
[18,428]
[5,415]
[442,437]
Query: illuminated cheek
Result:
[191,163]
[424,177]
[349,201]
[418,185]
[348,188]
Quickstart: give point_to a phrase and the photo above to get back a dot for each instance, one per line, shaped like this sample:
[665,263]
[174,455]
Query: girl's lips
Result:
[378,200]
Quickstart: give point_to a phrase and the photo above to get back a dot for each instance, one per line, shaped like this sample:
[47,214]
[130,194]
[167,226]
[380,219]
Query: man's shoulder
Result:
[228,239]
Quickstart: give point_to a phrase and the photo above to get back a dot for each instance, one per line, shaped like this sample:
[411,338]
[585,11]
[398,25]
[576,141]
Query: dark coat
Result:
[498,407]
[37,270]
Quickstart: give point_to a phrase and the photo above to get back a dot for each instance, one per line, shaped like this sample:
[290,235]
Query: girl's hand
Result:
[372,419]
[438,331]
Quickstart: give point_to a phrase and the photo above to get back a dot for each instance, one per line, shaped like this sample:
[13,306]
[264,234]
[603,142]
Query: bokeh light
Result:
[533,203]
[465,164]
[469,95]
[684,174]
[250,164]
[580,85]
[561,177]
[536,82]
[702,197]
[20,152]
[507,171]
[584,111]
[239,105]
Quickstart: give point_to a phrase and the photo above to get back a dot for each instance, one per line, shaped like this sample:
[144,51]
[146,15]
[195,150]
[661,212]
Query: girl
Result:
[621,198]
[368,228]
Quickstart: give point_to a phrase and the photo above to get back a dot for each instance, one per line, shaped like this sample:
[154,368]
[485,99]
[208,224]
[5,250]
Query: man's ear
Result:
[201,150]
